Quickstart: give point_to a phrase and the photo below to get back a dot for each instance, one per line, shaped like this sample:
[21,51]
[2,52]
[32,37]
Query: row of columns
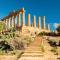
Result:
[12,22]
[39,22]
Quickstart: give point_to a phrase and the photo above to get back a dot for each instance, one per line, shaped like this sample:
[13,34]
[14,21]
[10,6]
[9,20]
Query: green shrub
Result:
[13,52]
[59,43]
[0,37]
[42,48]
[28,40]
[4,46]
[42,33]
[54,49]
[17,44]
[2,52]
[58,29]
[20,55]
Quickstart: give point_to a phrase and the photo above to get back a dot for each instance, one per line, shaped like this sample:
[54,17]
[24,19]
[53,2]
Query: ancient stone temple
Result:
[17,21]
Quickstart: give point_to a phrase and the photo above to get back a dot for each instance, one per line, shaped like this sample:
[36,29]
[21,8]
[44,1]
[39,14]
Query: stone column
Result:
[10,22]
[48,27]
[34,21]
[23,17]
[39,23]
[6,24]
[43,23]
[18,16]
[14,22]
[29,19]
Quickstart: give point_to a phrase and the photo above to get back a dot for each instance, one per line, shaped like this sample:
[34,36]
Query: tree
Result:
[58,29]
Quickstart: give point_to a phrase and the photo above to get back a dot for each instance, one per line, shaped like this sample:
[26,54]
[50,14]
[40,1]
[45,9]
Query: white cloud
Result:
[55,25]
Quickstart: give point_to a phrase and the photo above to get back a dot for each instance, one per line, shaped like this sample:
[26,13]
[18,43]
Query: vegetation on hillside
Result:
[2,26]
[58,29]
[42,33]
[10,41]
[54,45]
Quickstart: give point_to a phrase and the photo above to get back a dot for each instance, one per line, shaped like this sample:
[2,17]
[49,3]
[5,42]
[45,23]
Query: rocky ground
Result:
[37,50]
[34,52]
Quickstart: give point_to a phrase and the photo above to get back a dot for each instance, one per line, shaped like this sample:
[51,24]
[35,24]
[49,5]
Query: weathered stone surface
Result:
[8,57]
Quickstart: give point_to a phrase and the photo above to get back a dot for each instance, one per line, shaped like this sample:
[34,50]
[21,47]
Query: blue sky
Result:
[48,8]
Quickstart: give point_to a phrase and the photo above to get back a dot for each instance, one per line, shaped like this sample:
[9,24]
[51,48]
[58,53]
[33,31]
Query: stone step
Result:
[32,52]
[41,55]
[31,58]
[34,48]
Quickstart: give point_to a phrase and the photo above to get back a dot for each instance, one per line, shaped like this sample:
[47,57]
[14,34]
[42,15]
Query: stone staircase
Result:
[33,52]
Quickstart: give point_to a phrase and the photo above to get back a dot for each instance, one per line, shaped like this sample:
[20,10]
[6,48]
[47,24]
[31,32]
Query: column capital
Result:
[23,11]
[23,8]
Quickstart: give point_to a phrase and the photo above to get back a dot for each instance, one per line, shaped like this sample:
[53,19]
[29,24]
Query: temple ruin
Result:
[30,28]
